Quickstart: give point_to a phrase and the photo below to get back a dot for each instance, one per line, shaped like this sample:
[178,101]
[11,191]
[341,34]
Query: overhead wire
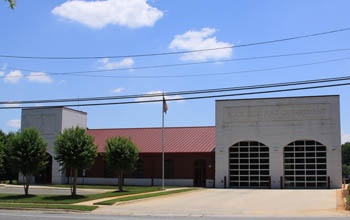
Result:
[195,91]
[176,52]
[185,98]
[183,75]
[179,93]
[185,64]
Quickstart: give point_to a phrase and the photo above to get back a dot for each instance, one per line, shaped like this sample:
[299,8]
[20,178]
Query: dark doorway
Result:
[44,177]
[199,173]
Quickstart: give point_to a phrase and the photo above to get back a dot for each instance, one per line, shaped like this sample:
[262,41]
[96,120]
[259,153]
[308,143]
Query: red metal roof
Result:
[149,140]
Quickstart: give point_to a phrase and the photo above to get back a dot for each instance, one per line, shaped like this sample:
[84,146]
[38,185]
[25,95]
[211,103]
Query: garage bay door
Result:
[305,165]
[249,165]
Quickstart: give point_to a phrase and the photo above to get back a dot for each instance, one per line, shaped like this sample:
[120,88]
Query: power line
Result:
[177,52]
[80,73]
[186,98]
[183,75]
[179,93]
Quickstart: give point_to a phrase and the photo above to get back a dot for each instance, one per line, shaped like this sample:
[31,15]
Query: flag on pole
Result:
[165,106]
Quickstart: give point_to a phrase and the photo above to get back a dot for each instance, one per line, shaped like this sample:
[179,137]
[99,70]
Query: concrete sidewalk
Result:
[47,190]
[234,202]
[91,202]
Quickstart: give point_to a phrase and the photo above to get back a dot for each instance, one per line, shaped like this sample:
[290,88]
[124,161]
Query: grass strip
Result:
[67,199]
[47,206]
[107,187]
[142,196]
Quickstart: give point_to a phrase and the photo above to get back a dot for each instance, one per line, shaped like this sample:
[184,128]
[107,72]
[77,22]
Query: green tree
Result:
[2,136]
[75,150]
[345,151]
[121,155]
[2,153]
[9,172]
[27,152]
[12,3]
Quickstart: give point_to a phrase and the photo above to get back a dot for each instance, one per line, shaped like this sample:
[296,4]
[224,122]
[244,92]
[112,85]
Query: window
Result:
[139,169]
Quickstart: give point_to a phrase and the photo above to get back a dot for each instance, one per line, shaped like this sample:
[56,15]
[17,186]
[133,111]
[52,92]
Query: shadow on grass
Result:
[117,191]
[63,197]
[17,197]
[43,199]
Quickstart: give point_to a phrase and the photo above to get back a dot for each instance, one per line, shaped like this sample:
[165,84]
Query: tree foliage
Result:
[27,152]
[2,153]
[12,3]
[121,155]
[7,172]
[75,150]
[345,150]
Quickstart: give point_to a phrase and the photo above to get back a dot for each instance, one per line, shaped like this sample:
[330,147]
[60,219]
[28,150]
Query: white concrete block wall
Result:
[50,122]
[72,118]
[276,122]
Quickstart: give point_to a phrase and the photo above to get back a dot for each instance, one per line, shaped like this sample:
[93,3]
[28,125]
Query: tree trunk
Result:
[70,182]
[26,184]
[120,181]
[75,175]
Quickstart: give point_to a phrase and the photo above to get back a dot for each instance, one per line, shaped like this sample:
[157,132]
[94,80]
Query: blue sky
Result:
[123,27]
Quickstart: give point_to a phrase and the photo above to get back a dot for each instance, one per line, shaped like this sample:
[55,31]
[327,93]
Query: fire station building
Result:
[291,142]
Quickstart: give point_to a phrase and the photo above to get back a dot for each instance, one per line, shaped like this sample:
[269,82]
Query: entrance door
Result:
[199,173]
[44,177]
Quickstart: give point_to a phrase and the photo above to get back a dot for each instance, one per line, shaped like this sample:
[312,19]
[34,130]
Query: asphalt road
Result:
[36,215]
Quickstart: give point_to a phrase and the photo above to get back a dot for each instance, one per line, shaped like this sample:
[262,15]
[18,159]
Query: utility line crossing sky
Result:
[79,49]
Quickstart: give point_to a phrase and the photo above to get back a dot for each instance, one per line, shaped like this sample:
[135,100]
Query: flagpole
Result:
[163,156]
[162,149]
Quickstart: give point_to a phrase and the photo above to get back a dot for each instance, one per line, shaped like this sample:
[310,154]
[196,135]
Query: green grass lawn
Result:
[67,199]
[143,196]
[107,187]
[66,202]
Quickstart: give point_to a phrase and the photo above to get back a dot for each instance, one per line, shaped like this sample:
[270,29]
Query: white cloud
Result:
[345,138]
[107,64]
[199,40]
[13,77]
[2,73]
[39,77]
[154,98]
[118,90]
[14,123]
[98,14]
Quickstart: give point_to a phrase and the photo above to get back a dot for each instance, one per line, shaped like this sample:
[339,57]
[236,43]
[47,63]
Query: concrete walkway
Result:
[47,190]
[91,202]
[234,202]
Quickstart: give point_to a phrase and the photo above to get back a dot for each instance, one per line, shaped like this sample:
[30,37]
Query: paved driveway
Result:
[233,202]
